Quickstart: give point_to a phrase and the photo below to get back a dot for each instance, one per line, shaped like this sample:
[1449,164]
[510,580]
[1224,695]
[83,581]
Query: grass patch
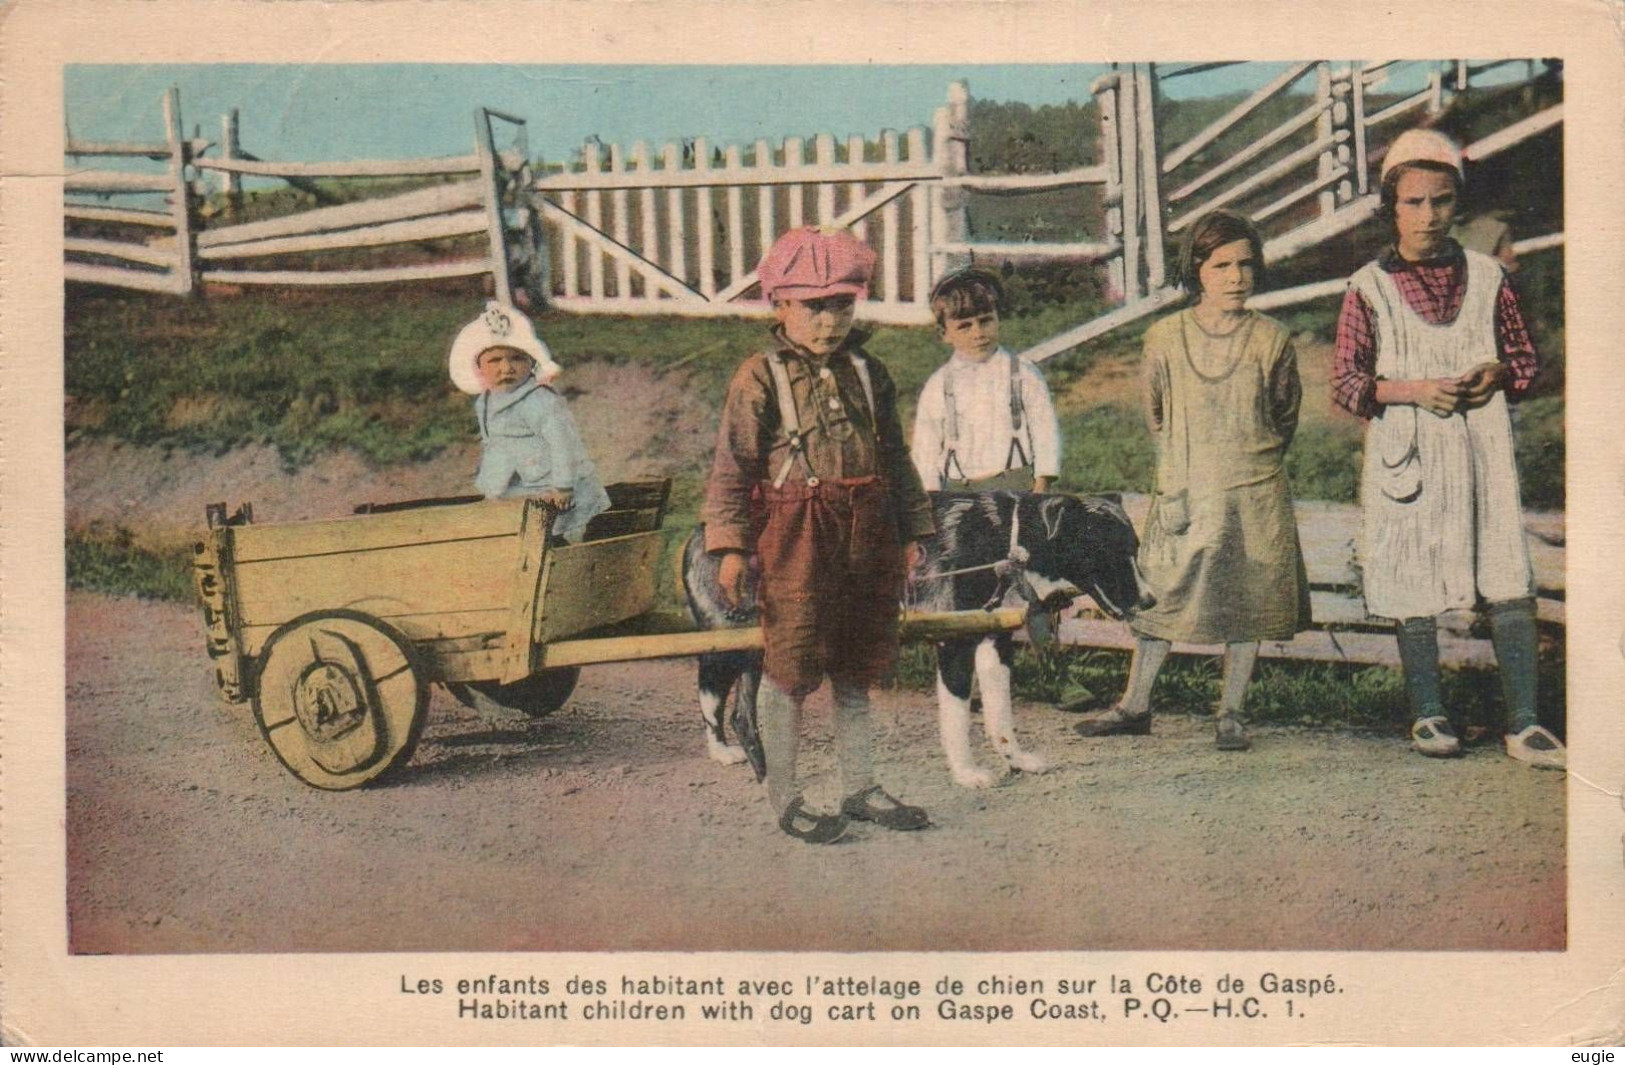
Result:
[1324,461]
[1541,452]
[1108,449]
[1311,694]
[109,561]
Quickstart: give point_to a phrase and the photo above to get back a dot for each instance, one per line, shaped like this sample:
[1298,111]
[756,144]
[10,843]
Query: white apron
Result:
[1443,526]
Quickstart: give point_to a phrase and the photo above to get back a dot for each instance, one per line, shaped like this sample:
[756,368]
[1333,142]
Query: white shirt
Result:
[982,401]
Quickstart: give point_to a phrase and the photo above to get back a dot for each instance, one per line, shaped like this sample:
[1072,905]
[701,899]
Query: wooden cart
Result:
[334,630]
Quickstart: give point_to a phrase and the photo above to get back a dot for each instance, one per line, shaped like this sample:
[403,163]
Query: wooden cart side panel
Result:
[419,628]
[527,585]
[599,583]
[374,532]
[444,578]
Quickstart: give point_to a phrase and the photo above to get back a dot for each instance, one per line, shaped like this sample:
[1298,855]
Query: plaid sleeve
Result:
[1354,364]
[1512,343]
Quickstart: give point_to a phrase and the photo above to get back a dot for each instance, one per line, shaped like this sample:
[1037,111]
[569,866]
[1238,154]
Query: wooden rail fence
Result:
[1342,631]
[1303,181]
[485,193]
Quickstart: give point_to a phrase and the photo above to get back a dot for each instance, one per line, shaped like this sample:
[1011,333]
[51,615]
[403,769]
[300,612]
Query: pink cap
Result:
[812,262]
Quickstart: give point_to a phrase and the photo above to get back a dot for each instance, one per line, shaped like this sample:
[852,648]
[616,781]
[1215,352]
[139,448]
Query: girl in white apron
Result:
[1430,342]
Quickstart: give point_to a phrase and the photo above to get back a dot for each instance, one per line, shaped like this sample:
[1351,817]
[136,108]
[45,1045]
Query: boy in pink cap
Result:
[812,475]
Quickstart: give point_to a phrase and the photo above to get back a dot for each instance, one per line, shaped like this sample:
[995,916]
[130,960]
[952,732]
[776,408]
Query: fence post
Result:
[1151,173]
[619,204]
[1325,123]
[231,147]
[650,246]
[180,208]
[1343,122]
[735,199]
[1106,100]
[951,153]
[593,159]
[705,222]
[1112,191]
[824,155]
[793,157]
[856,190]
[1362,179]
[1128,114]
[766,225]
[888,227]
[492,190]
[919,233]
[676,232]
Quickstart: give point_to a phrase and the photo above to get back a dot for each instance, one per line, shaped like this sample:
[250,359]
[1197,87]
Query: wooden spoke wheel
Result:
[537,695]
[340,698]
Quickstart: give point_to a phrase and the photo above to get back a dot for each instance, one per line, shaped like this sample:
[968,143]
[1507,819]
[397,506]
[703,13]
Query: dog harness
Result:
[792,421]
[1018,408]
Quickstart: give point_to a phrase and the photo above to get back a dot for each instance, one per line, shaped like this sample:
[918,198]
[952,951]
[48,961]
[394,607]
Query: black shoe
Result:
[1114,722]
[873,804]
[812,828]
[1230,735]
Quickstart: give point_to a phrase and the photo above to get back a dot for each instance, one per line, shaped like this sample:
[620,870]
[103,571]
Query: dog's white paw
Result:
[726,753]
[1027,762]
[974,776]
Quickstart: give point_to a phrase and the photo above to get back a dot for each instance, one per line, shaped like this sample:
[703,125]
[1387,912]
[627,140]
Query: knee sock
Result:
[1149,654]
[1419,656]
[779,720]
[1239,659]
[1512,631]
[853,746]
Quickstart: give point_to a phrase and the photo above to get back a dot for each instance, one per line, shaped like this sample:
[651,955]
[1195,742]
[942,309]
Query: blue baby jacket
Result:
[529,444]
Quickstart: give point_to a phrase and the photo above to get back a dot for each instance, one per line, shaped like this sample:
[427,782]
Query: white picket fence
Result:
[679,228]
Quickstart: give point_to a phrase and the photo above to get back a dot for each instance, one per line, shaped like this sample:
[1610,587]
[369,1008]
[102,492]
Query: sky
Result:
[391,111]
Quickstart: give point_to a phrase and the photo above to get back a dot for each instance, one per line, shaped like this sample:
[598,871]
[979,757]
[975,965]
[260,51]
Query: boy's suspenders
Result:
[1017,409]
[792,422]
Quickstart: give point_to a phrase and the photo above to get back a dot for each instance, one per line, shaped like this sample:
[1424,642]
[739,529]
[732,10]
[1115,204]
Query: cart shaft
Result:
[915,627]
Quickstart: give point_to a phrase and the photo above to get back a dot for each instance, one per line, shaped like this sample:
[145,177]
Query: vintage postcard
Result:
[462,463]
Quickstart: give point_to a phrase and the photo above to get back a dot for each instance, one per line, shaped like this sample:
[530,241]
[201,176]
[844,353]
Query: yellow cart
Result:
[334,630]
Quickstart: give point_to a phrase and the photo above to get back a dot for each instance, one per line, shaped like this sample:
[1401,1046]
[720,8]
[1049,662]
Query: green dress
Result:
[1220,548]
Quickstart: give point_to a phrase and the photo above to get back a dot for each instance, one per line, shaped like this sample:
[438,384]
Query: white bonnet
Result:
[500,326]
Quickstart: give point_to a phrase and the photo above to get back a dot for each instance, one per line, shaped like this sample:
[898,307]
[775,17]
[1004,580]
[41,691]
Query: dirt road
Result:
[604,827]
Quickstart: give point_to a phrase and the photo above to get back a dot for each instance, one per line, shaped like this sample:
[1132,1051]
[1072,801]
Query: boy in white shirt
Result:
[984,419]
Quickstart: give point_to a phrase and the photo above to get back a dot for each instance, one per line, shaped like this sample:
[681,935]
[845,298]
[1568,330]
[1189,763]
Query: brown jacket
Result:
[842,440]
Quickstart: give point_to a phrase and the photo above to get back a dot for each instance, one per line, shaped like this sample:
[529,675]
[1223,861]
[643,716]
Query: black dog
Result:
[990,548]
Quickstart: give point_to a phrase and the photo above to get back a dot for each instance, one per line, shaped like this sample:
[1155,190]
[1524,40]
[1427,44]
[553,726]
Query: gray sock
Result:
[1239,659]
[1512,631]
[779,719]
[853,745]
[1149,654]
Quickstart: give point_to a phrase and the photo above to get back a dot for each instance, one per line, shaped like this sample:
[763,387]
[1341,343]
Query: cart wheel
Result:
[340,698]
[537,695]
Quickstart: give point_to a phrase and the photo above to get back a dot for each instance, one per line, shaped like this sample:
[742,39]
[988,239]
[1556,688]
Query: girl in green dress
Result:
[1220,546]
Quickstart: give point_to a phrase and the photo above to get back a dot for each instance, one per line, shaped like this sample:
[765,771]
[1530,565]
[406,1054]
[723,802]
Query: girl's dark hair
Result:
[967,293]
[1212,231]
[1390,186]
